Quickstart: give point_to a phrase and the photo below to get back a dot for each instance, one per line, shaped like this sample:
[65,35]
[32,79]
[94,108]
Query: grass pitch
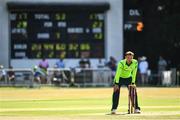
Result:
[49,103]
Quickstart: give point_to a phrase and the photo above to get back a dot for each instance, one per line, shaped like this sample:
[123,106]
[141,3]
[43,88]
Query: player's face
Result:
[129,58]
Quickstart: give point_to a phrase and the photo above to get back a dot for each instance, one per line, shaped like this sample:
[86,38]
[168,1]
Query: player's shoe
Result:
[113,111]
[138,111]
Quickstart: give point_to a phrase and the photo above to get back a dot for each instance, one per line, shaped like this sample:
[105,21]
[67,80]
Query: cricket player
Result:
[125,75]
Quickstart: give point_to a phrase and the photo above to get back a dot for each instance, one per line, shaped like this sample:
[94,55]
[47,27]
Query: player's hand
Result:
[116,87]
[133,84]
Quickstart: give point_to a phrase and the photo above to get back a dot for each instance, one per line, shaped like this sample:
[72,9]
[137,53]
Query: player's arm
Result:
[134,72]
[118,72]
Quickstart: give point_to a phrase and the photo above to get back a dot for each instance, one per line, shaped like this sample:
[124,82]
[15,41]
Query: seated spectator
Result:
[43,64]
[11,75]
[60,64]
[39,74]
[82,63]
[100,64]
[112,65]
[87,63]
[59,77]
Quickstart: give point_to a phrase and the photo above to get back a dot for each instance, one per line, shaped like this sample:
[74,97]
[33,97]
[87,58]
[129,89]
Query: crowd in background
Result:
[40,71]
[143,77]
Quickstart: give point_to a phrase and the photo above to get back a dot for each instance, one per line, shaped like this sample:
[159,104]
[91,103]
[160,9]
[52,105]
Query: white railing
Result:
[76,76]
[93,76]
[59,76]
[17,77]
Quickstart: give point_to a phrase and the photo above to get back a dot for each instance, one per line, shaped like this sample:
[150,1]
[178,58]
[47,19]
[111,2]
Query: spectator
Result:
[162,64]
[11,75]
[143,70]
[138,82]
[100,64]
[60,64]
[39,74]
[2,73]
[87,63]
[84,63]
[59,76]
[112,65]
[43,64]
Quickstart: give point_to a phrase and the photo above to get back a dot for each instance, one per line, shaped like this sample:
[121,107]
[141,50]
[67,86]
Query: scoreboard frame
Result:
[53,8]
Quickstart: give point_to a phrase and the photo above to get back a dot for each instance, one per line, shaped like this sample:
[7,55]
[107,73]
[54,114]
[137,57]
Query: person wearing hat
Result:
[125,75]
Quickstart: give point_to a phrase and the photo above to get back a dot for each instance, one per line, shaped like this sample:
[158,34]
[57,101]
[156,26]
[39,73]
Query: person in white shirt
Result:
[162,64]
[143,70]
[2,73]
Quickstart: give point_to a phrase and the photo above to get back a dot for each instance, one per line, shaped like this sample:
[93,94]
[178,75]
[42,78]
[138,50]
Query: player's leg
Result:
[136,103]
[115,98]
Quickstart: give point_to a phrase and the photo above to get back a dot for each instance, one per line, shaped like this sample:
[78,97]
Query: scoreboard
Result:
[133,20]
[56,32]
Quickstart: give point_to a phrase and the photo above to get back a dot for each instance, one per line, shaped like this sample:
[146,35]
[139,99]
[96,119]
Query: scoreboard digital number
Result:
[133,20]
[37,34]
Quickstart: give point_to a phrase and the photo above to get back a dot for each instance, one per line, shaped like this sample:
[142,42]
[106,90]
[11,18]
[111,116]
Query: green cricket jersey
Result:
[125,71]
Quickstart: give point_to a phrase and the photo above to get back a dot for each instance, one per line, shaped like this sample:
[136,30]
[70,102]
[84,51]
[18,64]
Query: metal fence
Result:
[16,77]
[93,76]
[170,78]
[59,76]
[80,77]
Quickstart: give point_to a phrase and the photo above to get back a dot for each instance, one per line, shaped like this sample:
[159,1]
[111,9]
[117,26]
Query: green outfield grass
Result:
[85,104]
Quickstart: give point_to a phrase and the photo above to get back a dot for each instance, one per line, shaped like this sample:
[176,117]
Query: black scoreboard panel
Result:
[133,20]
[54,34]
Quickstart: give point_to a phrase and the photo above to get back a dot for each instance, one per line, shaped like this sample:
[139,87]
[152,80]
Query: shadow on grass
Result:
[117,114]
